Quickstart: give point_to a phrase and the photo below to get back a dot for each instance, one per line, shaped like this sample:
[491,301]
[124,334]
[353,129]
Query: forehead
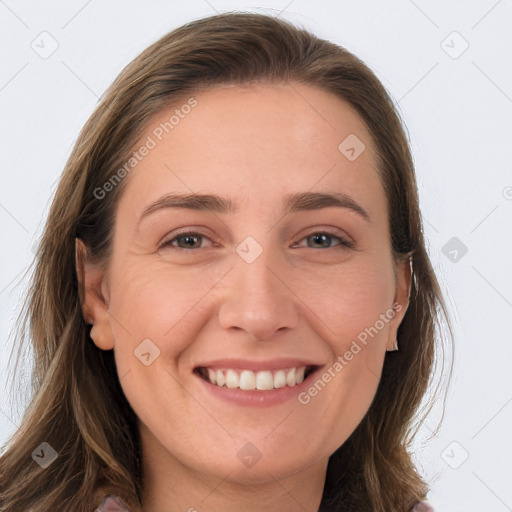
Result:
[255,143]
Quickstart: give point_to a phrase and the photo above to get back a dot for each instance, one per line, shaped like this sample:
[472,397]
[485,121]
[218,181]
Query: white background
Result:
[458,112]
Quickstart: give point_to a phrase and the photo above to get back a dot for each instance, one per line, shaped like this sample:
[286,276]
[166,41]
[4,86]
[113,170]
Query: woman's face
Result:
[251,245]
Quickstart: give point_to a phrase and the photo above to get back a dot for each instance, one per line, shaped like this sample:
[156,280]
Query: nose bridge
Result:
[257,300]
[257,279]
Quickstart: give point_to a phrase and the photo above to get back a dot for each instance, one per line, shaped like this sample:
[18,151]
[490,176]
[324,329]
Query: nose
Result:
[258,299]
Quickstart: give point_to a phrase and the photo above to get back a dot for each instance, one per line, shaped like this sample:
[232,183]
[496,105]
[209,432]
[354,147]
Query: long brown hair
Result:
[78,406]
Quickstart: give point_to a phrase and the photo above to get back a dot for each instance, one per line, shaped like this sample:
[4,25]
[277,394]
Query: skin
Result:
[253,145]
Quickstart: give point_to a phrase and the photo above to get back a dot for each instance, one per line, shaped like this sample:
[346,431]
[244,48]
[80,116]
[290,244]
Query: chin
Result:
[263,472]
[244,463]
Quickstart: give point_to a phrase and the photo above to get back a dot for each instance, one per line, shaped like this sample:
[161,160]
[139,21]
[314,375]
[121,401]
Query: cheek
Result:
[350,299]
[153,301]
[351,305]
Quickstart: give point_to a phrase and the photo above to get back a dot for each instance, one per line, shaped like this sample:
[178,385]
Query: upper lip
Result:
[257,366]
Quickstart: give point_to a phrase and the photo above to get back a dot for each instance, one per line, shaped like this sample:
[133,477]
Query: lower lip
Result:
[256,398]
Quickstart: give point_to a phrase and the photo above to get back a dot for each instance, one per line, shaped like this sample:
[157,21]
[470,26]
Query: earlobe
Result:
[102,337]
[90,278]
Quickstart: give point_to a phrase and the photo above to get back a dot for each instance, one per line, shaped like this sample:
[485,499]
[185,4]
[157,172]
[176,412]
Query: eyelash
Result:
[344,243]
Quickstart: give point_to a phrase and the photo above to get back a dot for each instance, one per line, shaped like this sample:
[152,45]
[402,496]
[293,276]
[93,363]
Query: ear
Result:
[403,276]
[93,292]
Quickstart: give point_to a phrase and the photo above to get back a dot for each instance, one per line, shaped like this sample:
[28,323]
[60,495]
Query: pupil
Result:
[190,240]
[321,240]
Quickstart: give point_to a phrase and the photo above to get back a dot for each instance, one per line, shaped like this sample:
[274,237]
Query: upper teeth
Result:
[264,380]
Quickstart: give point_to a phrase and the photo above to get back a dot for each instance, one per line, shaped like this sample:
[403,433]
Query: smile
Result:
[248,380]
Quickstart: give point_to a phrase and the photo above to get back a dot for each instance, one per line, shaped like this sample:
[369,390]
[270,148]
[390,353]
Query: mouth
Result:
[249,380]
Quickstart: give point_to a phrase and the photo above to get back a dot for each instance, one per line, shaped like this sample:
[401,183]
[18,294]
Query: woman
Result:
[232,303]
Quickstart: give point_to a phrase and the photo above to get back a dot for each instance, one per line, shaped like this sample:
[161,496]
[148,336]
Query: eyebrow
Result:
[293,203]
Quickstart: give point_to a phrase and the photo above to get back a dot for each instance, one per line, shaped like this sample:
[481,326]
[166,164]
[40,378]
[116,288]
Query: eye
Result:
[324,240]
[316,240]
[186,241]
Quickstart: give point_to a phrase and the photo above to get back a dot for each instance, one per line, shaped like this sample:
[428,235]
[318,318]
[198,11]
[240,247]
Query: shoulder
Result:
[111,503]
[422,506]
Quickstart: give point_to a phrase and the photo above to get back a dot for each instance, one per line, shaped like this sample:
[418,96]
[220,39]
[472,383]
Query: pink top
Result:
[422,506]
[113,504]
